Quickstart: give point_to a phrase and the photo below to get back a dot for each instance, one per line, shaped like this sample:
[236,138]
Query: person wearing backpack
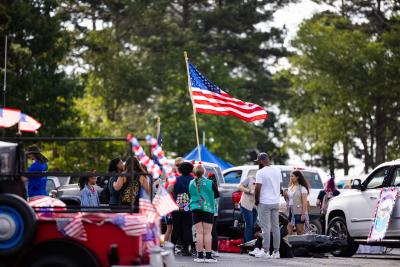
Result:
[324,197]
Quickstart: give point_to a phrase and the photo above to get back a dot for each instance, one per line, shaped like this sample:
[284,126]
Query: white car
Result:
[351,214]
[235,175]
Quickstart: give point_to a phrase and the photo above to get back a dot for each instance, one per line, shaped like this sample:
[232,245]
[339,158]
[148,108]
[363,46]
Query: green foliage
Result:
[348,84]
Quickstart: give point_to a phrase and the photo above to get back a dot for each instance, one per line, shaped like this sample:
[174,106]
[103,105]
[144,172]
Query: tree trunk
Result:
[346,166]
[331,162]
[380,151]
[185,14]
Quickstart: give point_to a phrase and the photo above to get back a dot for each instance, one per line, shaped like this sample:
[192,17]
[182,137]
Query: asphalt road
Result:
[238,260]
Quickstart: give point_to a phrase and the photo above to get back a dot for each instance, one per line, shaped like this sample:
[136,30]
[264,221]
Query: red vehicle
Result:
[54,234]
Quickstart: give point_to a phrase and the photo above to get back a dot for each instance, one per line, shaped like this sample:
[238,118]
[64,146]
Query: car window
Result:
[396,177]
[376,179]
[216,171]
[313,179]
[233,177]
[50,185]
[252,174]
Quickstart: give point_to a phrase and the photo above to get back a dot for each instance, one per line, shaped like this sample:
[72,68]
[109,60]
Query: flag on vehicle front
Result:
[28,124]
[9,117]
[210,99]
[164,202]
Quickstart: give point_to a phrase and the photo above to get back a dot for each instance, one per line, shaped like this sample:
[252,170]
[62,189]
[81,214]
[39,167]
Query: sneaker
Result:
[275,255]
[262,254]
[254,252]
[211,260]
[199,260]
[214,254]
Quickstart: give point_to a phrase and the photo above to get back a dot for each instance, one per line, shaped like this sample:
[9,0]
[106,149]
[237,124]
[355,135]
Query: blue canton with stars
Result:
[201,82]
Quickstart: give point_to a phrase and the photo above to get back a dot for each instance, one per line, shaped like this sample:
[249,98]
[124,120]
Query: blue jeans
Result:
[250,218]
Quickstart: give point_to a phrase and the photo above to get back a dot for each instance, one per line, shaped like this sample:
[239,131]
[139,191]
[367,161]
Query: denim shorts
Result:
[297,218]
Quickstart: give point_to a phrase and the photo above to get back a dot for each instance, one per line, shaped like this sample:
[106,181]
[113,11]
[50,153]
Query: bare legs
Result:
[203,236]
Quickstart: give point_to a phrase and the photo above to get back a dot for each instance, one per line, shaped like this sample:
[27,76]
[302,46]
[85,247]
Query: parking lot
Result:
[238,260]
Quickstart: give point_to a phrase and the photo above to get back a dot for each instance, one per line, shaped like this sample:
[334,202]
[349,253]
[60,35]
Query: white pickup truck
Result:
[351,214]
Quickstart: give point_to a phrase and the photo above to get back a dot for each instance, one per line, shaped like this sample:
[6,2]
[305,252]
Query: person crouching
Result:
[202,194]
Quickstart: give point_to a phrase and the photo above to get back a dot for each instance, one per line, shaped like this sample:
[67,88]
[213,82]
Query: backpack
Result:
[325,202]
[105,194]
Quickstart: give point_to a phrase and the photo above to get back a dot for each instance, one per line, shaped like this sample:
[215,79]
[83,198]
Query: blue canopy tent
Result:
[207,156]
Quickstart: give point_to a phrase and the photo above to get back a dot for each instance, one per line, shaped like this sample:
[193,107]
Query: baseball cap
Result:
[262,156]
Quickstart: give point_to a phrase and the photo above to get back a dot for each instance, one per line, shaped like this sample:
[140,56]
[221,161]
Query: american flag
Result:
[9,117]
[147,209]
[210,99]
[28,124]
[164,202]
[131,224]
[72,227]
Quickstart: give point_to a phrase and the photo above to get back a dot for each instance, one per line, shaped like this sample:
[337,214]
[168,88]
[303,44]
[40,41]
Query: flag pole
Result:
[194,109]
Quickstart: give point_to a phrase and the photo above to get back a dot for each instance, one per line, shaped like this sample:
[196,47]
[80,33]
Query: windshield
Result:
[313,179]
[216,171]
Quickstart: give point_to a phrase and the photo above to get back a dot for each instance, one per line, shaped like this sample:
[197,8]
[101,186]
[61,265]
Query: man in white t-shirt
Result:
[267,194]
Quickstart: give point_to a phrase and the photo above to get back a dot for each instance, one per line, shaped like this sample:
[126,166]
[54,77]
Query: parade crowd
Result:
[192,227]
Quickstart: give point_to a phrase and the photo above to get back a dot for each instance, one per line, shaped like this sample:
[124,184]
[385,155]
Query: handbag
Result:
[130,192]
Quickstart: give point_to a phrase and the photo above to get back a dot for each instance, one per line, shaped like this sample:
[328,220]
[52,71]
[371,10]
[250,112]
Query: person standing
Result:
[36,185]
[297,195]
[116,165]
[324,197]
[214,233]
[247,206]
[267,198]
[182,218]
[88,193]
[202,194]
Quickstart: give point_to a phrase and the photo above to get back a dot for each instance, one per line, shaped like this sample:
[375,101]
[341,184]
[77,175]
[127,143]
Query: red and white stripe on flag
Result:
[75,229]
[28,124]
[164,202]
[9,117]
[223,104]
[147,209]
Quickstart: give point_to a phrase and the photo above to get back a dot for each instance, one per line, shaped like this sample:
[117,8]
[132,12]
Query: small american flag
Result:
[147,209]
[72,227]
[131,224]
[9,117]
[164,202]
[210,99]
[28,124]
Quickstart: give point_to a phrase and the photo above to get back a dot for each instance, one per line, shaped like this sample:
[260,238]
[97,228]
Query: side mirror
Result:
[356,184]
[53,193]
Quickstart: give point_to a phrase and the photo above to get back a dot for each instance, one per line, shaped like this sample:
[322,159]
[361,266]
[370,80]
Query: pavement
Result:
[241,260]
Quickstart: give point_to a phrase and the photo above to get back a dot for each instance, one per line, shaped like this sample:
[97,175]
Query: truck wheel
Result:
[337,228]
[17,224]
[60,253]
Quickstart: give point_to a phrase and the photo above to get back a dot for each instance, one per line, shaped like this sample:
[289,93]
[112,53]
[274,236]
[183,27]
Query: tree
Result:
[350,79]
[38,46]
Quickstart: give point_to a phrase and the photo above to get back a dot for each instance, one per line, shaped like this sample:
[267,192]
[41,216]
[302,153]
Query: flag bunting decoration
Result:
[46,205]
[72,227]
[152,168]
[28,124]
[131,224]
[147,209]
[159,154]
[210,99]
[9,117]
[164,202]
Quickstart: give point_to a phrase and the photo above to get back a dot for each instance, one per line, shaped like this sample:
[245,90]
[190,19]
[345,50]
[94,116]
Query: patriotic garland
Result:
[158,152]
[152,168]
